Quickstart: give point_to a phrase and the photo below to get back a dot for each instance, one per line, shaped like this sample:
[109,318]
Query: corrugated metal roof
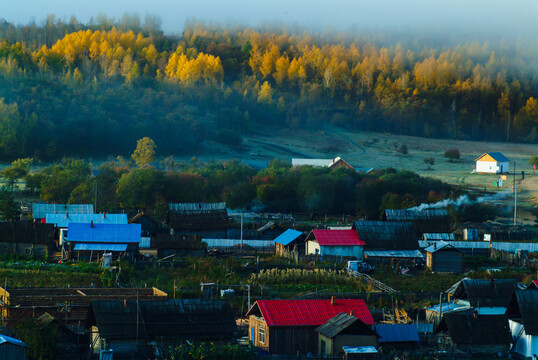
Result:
[267,226]
[104,233]
[197,207]
[439,245]
[336,324]
[101,247]
[467,328]
[527,310]
[410,215]
[313,162]
[359,349]
[40,211]
[394,253]
[228,243]
[439,236]
[309,312]
[387,235]
[447,307]
[287,237]
[397,333]
[10,340]
[485,293]
[337,237]
[504,246]
[496,155]
[63,219]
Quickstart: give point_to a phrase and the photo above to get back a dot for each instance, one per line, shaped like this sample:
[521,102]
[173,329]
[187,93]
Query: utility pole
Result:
[242,233]
[515,195]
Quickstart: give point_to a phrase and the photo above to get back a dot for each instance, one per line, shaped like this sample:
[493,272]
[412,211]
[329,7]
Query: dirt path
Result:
[529,189]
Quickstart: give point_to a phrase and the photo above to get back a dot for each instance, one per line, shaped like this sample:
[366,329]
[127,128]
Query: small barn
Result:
[387,235]
[288,326]
[12,349]
[522,313]
[199,217]
[26,238]
[398,336]
[443,257]
[339,243]
[142,329]
[493,163]
[424,221]
[89,240]
[290,241]
[178,245]
[344,330]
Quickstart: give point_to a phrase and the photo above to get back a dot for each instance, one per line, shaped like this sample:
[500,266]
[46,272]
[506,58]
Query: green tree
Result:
[144,152]
[139,188]
[9,208]
[452,154]
[17,170]
[533,160]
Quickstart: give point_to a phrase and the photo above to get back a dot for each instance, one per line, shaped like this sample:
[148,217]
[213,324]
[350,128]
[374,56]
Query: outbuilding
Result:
[443,257]
[339,243]
[289,242]
[493,163]
[12,349]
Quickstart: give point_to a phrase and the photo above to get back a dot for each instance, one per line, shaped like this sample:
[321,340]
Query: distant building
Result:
[488,297]
[333,163]
[493,163]
[387,235]
[12,349]
[341,243]
[438,236]
[424,221]
[26,238]
[143,329]
[522,313]
[443,257]
[288,326]
[93,239]
[178,245]
[344,330]
[199,218]
[40,211]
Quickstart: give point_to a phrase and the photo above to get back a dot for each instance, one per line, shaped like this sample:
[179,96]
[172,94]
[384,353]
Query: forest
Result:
[73,89]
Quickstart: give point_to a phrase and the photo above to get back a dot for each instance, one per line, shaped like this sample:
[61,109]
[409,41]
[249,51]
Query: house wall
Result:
[254,325]
[311,247]
[347,251]
[492,167]
[527,345]
[23,249]
[10,351]
[449,260]
[292,339]
[329,345]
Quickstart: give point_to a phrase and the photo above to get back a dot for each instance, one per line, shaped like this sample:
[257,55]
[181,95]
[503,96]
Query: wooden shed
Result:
[12,349]
[290,241]
[443,257]
[26,238]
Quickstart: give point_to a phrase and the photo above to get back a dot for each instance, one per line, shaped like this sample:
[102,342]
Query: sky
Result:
[464,15]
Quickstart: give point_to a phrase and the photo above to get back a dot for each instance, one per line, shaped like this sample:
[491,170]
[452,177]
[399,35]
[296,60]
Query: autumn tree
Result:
[144,152]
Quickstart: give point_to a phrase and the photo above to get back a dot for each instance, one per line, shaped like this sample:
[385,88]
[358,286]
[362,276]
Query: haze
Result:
[485,16]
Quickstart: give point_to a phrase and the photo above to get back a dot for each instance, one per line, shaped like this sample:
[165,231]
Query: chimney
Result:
[104,215]
[91,223]
[332,300]
[67,214]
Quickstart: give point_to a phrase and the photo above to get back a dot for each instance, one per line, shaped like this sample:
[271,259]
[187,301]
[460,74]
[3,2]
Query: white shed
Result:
[493,163]
[341,243]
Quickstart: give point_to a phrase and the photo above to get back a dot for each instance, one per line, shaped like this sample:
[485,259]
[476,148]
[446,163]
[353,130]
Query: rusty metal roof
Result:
[337,237]
[308,312]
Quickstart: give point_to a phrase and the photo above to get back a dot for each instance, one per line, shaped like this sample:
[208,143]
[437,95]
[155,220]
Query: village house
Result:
[487,297]
[62,220]
[533,285]
[344,330]
[67,305]
[40,211]
[335,243]
[288,326]
[89,240]
[150,227]
[26,238]
[424,221]
[333,163]
[492,163]
[387,235]
[207,219]
[522,313]
[143,329]
[169,245]
[12,349]
[289,243]
[443,257]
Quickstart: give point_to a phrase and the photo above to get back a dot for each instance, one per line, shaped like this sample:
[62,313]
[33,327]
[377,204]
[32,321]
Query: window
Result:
[261,335]
[28,251]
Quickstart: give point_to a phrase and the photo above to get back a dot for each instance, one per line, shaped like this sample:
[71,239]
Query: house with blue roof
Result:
[122,240]
[12,349]
[289,242]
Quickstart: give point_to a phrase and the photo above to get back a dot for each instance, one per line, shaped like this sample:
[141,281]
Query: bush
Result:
[403,149]
[452,154]
[229,137]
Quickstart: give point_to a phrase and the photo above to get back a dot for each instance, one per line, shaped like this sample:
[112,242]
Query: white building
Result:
[344,243]
[493,163]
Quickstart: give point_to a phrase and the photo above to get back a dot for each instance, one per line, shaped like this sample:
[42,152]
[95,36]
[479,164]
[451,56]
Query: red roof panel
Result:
[337,237]
[311,312]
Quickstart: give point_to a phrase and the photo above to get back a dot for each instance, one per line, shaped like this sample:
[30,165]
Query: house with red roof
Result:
[288,326]
[533,285]
[340,243]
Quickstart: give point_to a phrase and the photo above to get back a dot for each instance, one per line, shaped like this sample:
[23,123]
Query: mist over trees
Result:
[72,89]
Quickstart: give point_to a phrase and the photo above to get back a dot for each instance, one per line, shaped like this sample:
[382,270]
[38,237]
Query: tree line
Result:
[72,89]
